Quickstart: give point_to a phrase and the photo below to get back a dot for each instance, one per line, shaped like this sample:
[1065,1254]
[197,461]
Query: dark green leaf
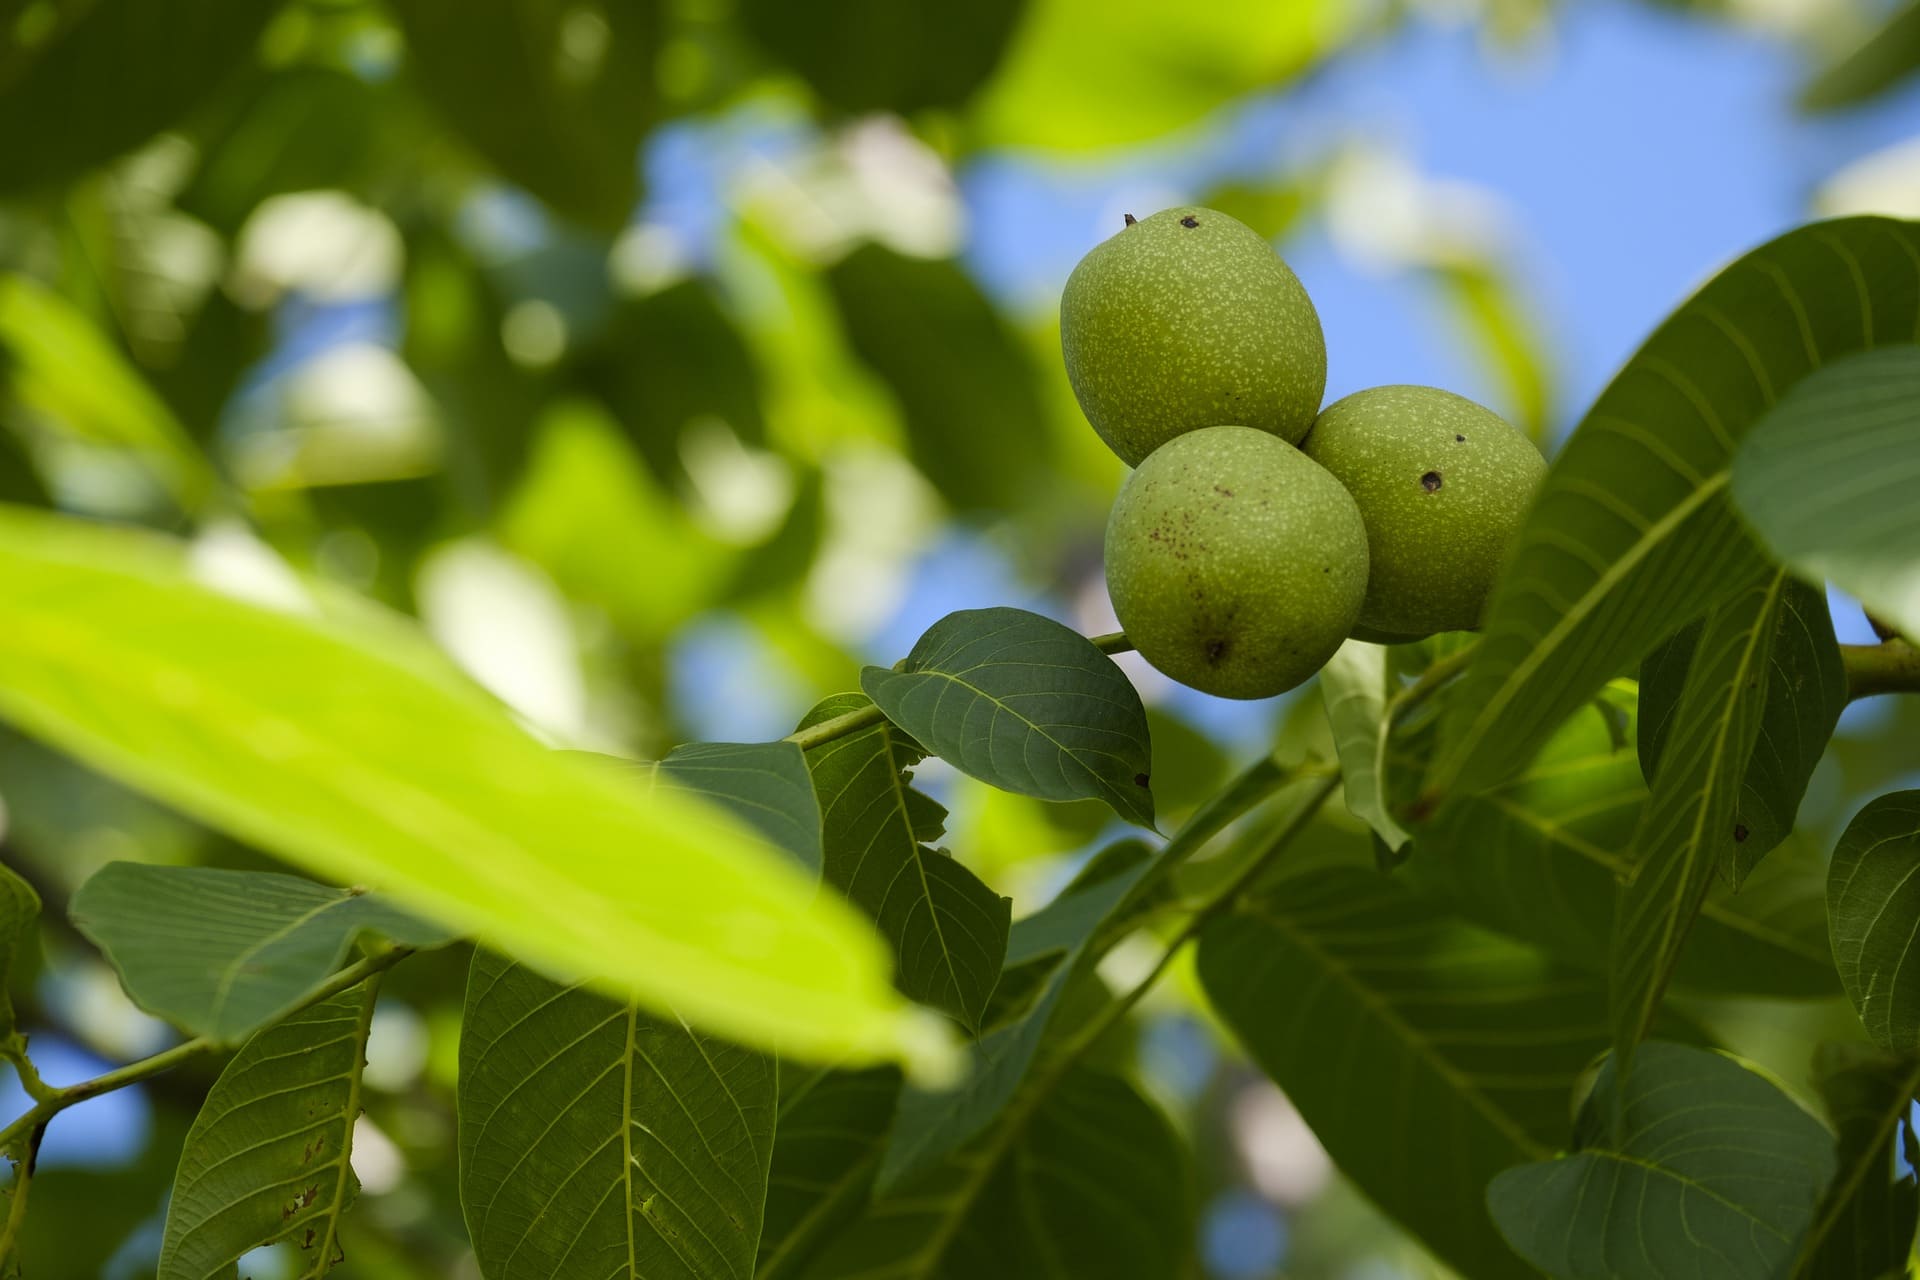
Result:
[1873,901]
[948,929]
[1025,704]
[111,75]
[1715,1180]
[764,783]
[1542,858]
[1093,1183]
[1355,684]
[1828,479]
[1633,534]
[298,128]
[19,913]
[224,953]
[1865,1223]
[826,1150]
[269,1157]
[1064,942]
[1806,692]
[1876,65]
[877,55]
[557,97]
[975,424]
[1380,1017]
[599,1141]
[1687,832]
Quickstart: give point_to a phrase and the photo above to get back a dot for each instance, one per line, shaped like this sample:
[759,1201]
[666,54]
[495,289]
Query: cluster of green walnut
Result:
[1258,532]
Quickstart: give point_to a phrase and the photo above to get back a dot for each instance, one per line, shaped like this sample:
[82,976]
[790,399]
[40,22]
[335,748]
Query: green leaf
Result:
[269,1157]
[1827,480]
[598,1141]
[1025,704]
[557,98]
[338,741]
[1355,684]
[1873,901]
[1865,1223]
[1687,832]
[70,381]
[1542,858]
[1715,1180]
[19,913]
[1053,953]
[222,953]
[764,784]
[1094,1183]
[948,929]
[862,56]
[826,1150]
[1377,1016]
[966,387]
[96,88]
[1076,78]
[1885,58]
[1806,692]
[1633,534]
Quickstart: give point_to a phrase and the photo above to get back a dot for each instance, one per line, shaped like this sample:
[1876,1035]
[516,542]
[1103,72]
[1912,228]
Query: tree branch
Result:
[54,1101]
[1892,667]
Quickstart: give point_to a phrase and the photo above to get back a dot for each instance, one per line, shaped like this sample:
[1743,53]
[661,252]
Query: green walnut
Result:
[1189,319]
[1236,565]
[1443,485]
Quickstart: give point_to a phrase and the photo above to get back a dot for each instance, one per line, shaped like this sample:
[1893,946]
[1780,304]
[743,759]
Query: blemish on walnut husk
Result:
[1131,220]
[1189,221]
[1216,649]
[1430,482]
[1459,439]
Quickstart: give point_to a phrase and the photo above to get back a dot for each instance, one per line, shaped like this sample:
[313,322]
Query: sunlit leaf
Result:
[19,914]
[600,1141]
[1828,480]
[555,95]
[1873,900]
[269,1157]
[976,427]
[223,953]
[331,742]
[70,381]
[1715,1179]
[100,83]
[826,1150]
[1024,703]
[948,929]
[1687,833]
[1542,858]
[1355,685]
[1092,1182]
[1866,1219]
[1879,63]
[1376,1015]
[1633,534]
[1100,73]
[1806,692]
[877,55]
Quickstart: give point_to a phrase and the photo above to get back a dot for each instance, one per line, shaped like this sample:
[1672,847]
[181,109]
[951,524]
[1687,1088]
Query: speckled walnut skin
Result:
[1443,485]
[1236,565]
[1188,319]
